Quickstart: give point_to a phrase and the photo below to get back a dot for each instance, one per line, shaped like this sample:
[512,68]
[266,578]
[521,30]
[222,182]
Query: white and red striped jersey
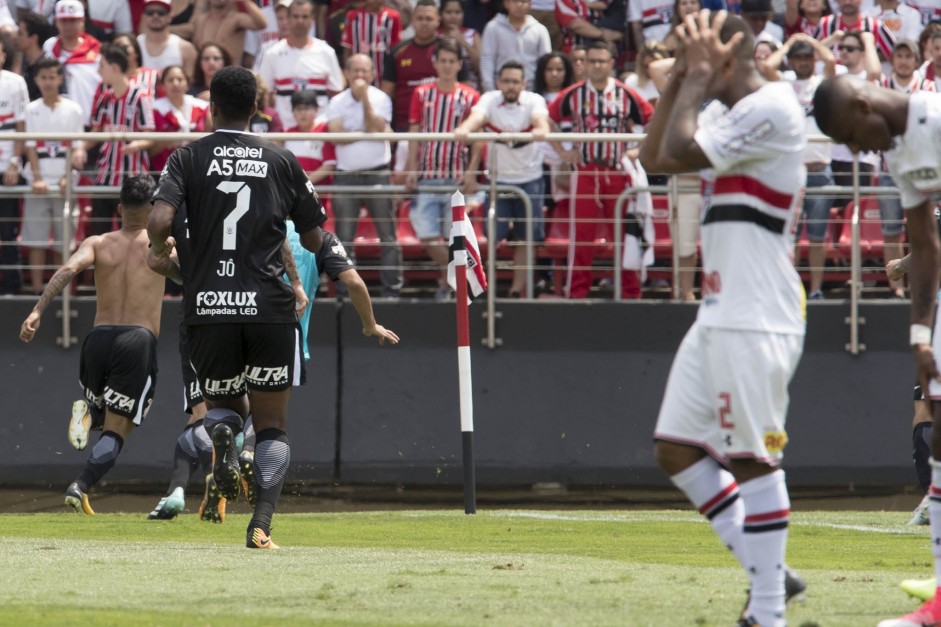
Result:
[916,83]
[436,111]
[372,34]
[757,150]
[915,159]
[616,109]
[566,12]
[313,154]
[66,117]
[930,10]
[80,67]
[191,117]
[803,25]
[132,112]
[516,162]
[286,69]
[655,17]
[928,71]
[13,100]
[885,40]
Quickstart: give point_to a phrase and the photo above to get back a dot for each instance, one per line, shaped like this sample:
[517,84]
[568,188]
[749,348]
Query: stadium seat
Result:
[366,242]
[871,243]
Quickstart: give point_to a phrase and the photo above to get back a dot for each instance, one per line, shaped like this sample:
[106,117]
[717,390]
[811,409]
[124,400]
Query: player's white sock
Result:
[714,492]
[934,515]
[767,511]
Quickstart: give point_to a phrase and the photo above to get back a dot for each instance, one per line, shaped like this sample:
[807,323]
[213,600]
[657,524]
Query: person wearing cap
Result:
[159,47]
[757,14]
[802,51]
[78,52]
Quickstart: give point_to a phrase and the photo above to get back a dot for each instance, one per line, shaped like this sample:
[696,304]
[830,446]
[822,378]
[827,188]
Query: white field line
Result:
[672,518]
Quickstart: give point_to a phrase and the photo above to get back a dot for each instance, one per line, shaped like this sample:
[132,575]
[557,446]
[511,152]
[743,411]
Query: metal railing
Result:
[69,193]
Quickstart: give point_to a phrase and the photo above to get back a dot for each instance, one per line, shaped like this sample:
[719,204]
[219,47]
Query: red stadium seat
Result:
[871,243]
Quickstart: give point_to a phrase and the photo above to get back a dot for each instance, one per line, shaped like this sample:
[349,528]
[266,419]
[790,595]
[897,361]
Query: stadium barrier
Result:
[855,281]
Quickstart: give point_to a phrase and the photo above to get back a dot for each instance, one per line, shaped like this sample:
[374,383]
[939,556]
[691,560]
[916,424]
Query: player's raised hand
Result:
[703,46]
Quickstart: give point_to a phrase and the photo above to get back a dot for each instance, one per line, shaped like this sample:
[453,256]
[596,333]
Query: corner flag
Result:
[463,250]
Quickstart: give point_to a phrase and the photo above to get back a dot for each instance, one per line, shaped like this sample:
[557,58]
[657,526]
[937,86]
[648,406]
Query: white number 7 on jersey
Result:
[241,208]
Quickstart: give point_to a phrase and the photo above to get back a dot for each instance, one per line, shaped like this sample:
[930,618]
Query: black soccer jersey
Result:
[332,258]
[237,189]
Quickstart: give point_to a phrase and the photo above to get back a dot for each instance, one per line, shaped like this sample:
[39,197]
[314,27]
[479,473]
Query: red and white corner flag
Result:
[463,249]
[465,271]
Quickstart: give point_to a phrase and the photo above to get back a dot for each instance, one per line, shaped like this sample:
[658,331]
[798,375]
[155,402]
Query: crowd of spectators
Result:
[381,65]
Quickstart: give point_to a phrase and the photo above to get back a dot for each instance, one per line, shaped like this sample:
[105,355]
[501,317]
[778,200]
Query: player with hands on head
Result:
[720,434]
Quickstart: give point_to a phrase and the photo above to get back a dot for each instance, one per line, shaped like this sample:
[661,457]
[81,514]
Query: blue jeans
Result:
[511,214]
[817,208]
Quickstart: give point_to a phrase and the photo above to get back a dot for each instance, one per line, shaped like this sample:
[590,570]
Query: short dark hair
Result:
[36,24]
[598,45]
[46,63]
[445,3]
[233,92]
[304,97]
[826,103]
[136,191]
[113,53]
[135,46]
[512,64]
[9,47]
[166,70]
[446,44]
[426,3]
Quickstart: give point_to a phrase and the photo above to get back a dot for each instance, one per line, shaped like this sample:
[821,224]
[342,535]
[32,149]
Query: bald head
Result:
[859,114]
[833,99]
[358,59]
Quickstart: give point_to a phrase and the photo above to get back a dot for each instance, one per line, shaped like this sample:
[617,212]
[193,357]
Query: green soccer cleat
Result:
[169,506]
[921,589]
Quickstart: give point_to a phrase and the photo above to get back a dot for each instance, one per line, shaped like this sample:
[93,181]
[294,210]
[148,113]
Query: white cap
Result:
[66,9]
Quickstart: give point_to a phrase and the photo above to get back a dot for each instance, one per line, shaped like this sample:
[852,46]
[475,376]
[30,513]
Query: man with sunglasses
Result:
[159,47]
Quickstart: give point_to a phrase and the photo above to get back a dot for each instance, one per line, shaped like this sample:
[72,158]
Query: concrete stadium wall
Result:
[571,396]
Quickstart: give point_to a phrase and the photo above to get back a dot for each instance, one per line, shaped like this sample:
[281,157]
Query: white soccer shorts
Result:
[727,393]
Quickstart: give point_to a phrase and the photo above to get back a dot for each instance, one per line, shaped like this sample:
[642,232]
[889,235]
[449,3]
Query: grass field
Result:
[500,567]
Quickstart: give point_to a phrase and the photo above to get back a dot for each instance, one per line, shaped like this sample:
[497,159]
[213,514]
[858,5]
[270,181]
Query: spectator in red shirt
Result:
[176,112]
[410,63]
[126,108]
[371,30]
[598,104]
[439,107]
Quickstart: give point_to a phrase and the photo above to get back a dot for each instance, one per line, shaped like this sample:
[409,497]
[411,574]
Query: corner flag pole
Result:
[458,246]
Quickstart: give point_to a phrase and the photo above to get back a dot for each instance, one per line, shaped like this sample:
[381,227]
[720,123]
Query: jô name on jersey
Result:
[238,160]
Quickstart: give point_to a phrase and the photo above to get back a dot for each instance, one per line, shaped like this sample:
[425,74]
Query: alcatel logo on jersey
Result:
[237,151]
[258,169]
[226,299]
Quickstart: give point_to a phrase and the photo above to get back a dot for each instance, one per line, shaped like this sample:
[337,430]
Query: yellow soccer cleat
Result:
[922,589]
[78,500]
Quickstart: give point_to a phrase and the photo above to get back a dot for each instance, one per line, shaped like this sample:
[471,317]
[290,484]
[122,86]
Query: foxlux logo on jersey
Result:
[238,160]
[223,303]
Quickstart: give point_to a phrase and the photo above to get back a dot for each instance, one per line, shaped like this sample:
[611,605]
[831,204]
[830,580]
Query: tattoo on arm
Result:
[290,267]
